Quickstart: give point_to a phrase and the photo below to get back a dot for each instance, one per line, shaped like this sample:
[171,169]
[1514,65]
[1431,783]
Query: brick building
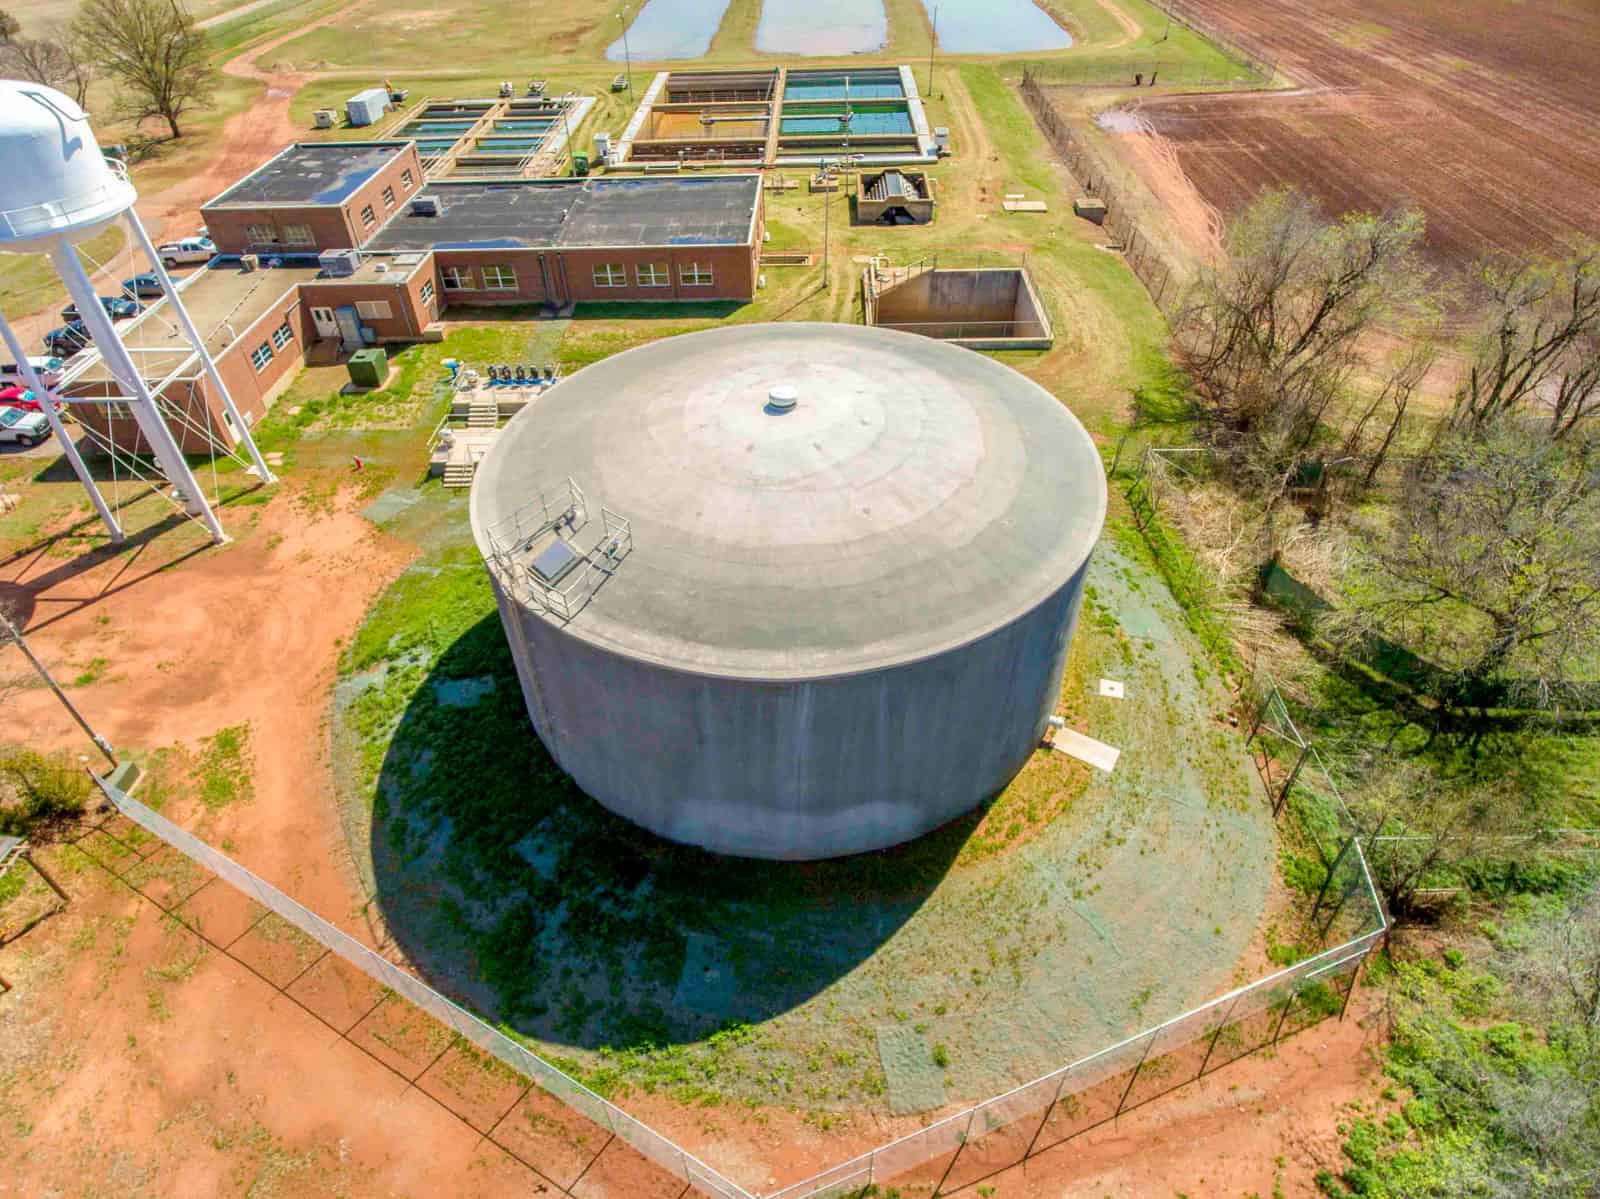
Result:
[267,300]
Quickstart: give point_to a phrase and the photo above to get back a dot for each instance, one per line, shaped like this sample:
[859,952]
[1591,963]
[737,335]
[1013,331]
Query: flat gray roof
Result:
[700,210]
[223,301]
[919,496]
[311,173]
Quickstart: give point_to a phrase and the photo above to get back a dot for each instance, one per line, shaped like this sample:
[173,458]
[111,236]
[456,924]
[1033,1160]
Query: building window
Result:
[119,410]
[499,278]
[610,274]
[260,235]
[654,274]
[298,235]
[282,336]
[374,310]
[456,278]
[427,291]
[260,356]
[405,178]
[368,217]
[695,274]
[388,197]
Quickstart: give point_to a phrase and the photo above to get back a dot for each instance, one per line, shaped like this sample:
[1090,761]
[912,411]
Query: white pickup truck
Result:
[186,250]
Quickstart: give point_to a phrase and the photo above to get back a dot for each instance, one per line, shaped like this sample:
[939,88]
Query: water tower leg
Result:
[143,405]
[199,344]
[68,446]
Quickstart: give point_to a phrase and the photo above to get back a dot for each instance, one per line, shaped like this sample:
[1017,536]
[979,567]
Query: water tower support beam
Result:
[199,343]
[68,446]
[169,457]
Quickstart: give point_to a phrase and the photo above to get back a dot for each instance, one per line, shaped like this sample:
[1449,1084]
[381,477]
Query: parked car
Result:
[24,428]
[21,397]
[48,370]
[117,308]
[142,286]
[186,250]
[67,340]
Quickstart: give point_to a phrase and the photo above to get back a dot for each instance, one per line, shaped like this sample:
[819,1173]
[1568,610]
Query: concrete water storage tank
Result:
[791,590]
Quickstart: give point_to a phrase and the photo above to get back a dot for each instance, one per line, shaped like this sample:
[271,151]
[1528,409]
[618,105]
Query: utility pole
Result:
[827,210]
[933,40]
[627,57]
[100,742]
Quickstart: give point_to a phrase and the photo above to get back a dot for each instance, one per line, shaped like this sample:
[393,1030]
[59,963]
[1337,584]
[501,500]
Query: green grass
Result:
[224,768]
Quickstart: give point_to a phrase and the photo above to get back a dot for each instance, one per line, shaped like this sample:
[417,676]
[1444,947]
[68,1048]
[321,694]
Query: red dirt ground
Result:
[1481,112]
[135,1055]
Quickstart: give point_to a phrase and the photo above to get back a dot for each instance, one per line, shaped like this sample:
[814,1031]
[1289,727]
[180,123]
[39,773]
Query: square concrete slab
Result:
[708,983]
[1111,688]
[916,1081]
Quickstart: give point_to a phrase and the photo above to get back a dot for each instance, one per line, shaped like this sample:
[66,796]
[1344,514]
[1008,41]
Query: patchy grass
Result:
[224,768]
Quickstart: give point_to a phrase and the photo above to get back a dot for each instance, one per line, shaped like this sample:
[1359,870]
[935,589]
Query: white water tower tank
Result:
[57,183]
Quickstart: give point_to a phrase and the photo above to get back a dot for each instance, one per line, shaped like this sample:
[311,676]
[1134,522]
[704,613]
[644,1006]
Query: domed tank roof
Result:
[53,177]
[911,498]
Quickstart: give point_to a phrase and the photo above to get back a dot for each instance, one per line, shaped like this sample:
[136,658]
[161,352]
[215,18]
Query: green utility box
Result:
[369,367]
[580,163]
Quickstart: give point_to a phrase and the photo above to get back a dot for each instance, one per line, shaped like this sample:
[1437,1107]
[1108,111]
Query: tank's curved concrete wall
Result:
[795,768]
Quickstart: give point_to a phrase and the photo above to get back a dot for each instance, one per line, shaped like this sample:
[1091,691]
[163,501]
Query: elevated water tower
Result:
[58,189]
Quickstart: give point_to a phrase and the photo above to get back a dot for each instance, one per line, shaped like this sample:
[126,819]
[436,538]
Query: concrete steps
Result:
[483,414]
[459,474]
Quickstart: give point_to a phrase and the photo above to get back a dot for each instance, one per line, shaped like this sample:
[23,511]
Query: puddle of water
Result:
[996,27]
[1121,120]
[822,27]
[671,29]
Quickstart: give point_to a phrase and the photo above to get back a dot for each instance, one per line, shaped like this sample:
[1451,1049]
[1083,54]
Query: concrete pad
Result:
[1086,749]
[1111,688]
[1025,206]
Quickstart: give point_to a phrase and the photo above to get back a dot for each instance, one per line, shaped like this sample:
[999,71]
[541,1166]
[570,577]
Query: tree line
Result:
[151,51]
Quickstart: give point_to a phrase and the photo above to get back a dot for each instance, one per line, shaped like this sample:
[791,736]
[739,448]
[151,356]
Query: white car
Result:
[23,427]
[186,250]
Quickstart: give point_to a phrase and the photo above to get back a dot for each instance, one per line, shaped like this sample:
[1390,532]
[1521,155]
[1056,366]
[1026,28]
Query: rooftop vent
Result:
[782,398]
[339,263]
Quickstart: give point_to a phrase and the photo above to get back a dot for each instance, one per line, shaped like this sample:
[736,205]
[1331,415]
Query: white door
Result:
[327,324]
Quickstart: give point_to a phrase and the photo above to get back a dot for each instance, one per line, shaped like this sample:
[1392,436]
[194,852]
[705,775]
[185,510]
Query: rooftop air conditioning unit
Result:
[339,263]
[427,206]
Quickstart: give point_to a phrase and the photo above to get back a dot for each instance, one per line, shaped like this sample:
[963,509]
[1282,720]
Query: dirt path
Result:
[1130,28]
[248,634]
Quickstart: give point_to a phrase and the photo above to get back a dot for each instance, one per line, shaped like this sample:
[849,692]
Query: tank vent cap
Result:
[782,398]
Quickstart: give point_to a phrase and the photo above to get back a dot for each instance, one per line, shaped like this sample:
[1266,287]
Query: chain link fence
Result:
[1122,216]
[603,1113]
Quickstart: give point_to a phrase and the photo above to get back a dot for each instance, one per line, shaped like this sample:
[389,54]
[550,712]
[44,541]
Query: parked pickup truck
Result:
[186,250]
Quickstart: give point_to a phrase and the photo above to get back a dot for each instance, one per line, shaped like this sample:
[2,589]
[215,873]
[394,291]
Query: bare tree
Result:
[153,49]
[1489,567]
[1274,338]
[1539,347]
[1404,375]
[9,26]
[55,60]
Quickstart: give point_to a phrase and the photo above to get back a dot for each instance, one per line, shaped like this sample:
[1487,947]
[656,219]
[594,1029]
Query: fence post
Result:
[1328,882]
[1294,775]
[1293,995]
[965,1137]
[1134,1077]
[1217,1035]
[1049,1107]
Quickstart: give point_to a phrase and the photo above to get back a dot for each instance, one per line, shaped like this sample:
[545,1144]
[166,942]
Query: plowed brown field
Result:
[1483,112]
